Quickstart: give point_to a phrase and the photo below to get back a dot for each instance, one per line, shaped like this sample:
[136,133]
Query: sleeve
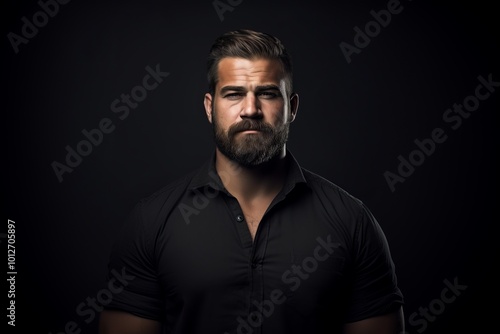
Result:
[374,283]
[131,273]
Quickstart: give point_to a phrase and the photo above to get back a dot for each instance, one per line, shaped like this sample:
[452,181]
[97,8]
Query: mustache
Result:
[249,124]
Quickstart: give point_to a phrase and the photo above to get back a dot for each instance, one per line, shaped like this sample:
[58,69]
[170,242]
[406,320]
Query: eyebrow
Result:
[226,89]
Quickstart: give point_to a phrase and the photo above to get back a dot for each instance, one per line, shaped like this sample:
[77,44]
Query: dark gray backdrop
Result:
[355,119]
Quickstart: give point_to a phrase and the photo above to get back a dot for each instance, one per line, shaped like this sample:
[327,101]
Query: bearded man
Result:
[252,242]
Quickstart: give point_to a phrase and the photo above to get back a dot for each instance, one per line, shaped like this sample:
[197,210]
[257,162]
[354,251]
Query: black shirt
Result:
[319,259]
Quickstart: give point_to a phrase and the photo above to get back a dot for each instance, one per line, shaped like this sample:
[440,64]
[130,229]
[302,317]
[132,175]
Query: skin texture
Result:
[249,90]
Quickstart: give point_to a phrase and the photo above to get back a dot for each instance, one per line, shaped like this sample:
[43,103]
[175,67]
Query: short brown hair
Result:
[247,44]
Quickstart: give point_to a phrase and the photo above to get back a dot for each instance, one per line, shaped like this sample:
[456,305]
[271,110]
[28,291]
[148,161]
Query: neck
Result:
[249,183]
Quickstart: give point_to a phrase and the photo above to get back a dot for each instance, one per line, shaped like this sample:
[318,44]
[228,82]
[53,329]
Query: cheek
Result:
[275,113]
[222,118]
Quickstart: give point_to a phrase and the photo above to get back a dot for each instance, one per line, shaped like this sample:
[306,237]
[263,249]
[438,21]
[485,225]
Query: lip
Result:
[250,131]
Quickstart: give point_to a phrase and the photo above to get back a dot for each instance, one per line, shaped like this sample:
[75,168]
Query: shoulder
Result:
[158,204]
[342,208]
[327,190]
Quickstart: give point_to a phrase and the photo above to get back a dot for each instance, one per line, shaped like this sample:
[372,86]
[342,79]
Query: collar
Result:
[207,175]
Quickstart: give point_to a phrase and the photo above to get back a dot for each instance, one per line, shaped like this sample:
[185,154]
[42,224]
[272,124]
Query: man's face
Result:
[250,111]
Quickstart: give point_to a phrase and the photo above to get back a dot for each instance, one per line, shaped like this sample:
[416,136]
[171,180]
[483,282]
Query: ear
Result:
[294,106]
[208,106]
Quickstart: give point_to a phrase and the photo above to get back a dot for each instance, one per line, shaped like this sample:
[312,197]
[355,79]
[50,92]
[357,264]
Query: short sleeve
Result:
[131,273]
[374,283]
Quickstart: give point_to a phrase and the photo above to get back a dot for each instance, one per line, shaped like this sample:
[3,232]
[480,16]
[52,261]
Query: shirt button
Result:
[256,265]
[239,218]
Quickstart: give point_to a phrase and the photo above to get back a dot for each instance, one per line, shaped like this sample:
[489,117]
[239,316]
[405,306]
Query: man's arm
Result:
[118,322]
[392,323]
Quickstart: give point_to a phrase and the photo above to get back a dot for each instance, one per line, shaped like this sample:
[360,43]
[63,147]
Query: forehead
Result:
[241,71]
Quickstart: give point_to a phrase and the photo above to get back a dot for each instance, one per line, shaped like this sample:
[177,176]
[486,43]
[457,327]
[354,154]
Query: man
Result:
[252,242]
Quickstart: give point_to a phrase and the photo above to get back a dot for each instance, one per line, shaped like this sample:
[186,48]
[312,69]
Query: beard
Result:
[250,150]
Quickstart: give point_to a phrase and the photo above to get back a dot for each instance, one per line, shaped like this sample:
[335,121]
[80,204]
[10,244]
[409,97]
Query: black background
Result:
[354,121]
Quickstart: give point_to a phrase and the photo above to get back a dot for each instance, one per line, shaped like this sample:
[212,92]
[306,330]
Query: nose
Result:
[250,106]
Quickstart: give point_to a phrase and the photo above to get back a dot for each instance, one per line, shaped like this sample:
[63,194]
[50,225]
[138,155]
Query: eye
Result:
[268,95]
[233,96]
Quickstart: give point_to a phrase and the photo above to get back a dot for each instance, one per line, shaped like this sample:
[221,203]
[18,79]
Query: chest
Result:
[294,246]
[253,214]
